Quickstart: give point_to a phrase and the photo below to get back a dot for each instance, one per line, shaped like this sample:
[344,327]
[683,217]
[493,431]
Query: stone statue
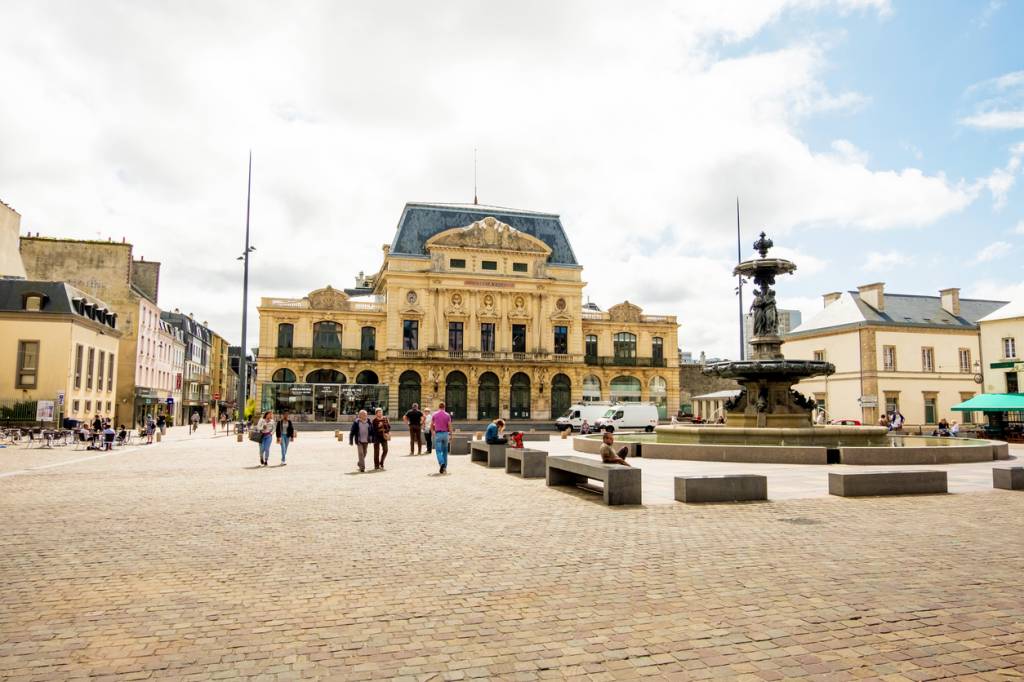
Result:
[771,314]
[757,308]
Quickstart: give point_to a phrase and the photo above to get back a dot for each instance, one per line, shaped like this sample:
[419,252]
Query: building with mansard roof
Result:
[480,307]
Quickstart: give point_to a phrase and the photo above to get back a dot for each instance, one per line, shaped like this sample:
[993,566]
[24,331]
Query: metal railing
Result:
[620,361]
[496,356]
[325,353]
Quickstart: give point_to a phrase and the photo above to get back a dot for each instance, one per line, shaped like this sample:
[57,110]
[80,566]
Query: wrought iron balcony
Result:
[325,353]
[622,361]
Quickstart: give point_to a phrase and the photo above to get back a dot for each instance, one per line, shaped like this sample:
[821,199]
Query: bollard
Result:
[238,437]
[565,434]
[158,437]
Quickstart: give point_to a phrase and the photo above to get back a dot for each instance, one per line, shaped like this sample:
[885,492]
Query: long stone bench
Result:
[1008,478]
[729,488]
[621,483]
[492,456]
[526,462]
[860,484]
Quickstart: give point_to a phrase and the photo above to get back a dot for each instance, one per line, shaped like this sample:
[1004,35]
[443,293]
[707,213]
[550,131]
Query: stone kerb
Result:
[946,454]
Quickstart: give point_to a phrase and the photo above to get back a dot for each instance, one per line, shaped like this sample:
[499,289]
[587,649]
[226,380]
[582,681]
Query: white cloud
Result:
[847,151]
[1001,180]
[992,252]
[996,120]
[1019,228]
[881,261]
[628,122]
[998,103]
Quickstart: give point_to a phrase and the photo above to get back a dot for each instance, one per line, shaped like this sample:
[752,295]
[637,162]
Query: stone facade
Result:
[693,382]
[10,259]
[482,319]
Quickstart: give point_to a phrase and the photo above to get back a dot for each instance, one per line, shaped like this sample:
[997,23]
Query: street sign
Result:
[60,398]
[170,401]
[216,396]
[868,401]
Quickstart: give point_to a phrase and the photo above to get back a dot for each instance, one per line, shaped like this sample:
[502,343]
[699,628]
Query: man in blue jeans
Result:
[440,425]
[285,434]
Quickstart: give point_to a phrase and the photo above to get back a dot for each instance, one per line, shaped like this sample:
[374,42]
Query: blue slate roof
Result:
[421,221]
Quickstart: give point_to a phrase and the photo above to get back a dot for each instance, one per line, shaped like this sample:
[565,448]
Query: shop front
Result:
[323,403]
[152,401]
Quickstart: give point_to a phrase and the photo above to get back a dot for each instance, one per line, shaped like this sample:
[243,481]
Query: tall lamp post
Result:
[242,369]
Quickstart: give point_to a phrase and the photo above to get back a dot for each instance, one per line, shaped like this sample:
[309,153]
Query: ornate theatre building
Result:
[477,306]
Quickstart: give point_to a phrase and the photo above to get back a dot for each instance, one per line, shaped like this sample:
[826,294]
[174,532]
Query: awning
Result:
[993,402]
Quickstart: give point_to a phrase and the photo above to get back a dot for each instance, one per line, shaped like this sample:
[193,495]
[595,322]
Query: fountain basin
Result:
[824,447]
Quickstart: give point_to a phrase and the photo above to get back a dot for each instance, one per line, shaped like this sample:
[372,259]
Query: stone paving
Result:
[185,561]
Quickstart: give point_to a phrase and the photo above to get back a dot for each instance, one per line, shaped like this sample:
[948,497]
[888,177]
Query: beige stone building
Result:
[106,270]
[223,391]
[481,307]
[919,355]
[1002,355]
[10,227]
[57,344]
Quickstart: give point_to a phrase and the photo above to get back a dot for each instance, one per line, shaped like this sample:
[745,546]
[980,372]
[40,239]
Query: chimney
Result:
[873,295]
[951,300]
[831,297]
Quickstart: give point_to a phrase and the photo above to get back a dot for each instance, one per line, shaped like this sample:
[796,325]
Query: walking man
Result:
[361,435]
[440,425]
[285,434]
[414,418]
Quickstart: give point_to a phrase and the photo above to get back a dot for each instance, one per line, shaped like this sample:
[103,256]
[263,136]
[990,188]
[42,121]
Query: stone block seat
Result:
[1008,478]
[526,462]
[458,443]
[491,456]
[868,483]
[729,488]
[621,483]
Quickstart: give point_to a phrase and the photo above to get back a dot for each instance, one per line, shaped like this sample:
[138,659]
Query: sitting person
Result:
[954,430]
[122,434]
[495,433]
[108,437]
[585,427]
[517,439]
[608,454]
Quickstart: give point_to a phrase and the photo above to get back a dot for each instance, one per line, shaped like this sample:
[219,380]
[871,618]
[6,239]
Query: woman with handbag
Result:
[264,435]
[382,429]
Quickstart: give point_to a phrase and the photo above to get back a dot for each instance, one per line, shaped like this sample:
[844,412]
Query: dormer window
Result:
[34,302]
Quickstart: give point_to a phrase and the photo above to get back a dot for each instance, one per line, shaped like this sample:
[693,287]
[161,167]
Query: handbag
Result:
[387,435]
[255,436]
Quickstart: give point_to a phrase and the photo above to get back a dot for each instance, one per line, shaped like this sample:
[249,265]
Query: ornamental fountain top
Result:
[767,398]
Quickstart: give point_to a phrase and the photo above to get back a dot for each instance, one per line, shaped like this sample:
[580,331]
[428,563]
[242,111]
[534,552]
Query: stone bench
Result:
[458,443]
[860,484]
[729,488]
[621,483]
[526,462]
[492,456]
[1008,478]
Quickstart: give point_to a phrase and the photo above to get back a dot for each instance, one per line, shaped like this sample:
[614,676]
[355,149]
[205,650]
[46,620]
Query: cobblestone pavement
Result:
[183,560]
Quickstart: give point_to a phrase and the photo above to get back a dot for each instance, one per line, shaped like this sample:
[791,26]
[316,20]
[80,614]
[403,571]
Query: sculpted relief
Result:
[490,233]
[625,312]
[327,298]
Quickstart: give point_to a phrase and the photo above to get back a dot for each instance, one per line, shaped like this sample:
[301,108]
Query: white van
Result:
[630,416]
[574,416]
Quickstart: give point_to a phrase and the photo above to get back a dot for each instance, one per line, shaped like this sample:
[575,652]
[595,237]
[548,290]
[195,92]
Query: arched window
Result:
[625,389]
[325,376]
[591,389]
[283,376]
[285,338]
[408,391]
[519,396]
[326,340]
[659,396]
[657,350]
[561,395]
[367,377]
[487,396]
[455,394]
[625,347]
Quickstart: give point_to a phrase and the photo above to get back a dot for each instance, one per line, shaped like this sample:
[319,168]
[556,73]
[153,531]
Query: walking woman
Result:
[382,430]
[265,426]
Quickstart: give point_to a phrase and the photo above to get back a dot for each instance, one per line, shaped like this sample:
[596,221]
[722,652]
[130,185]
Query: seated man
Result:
[608,454]
[494,435]
[108,437]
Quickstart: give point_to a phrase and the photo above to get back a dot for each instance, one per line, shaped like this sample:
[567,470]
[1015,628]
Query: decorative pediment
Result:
[625,312]
[327,298]
[492,234]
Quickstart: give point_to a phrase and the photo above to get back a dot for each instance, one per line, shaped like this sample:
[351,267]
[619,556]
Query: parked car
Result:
[845,422]
[574,416]
[630,416]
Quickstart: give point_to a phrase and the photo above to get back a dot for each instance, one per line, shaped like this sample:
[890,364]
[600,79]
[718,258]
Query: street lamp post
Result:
[245,303]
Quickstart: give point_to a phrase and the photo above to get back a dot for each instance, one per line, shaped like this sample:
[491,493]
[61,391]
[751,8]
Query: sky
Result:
[872,140]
